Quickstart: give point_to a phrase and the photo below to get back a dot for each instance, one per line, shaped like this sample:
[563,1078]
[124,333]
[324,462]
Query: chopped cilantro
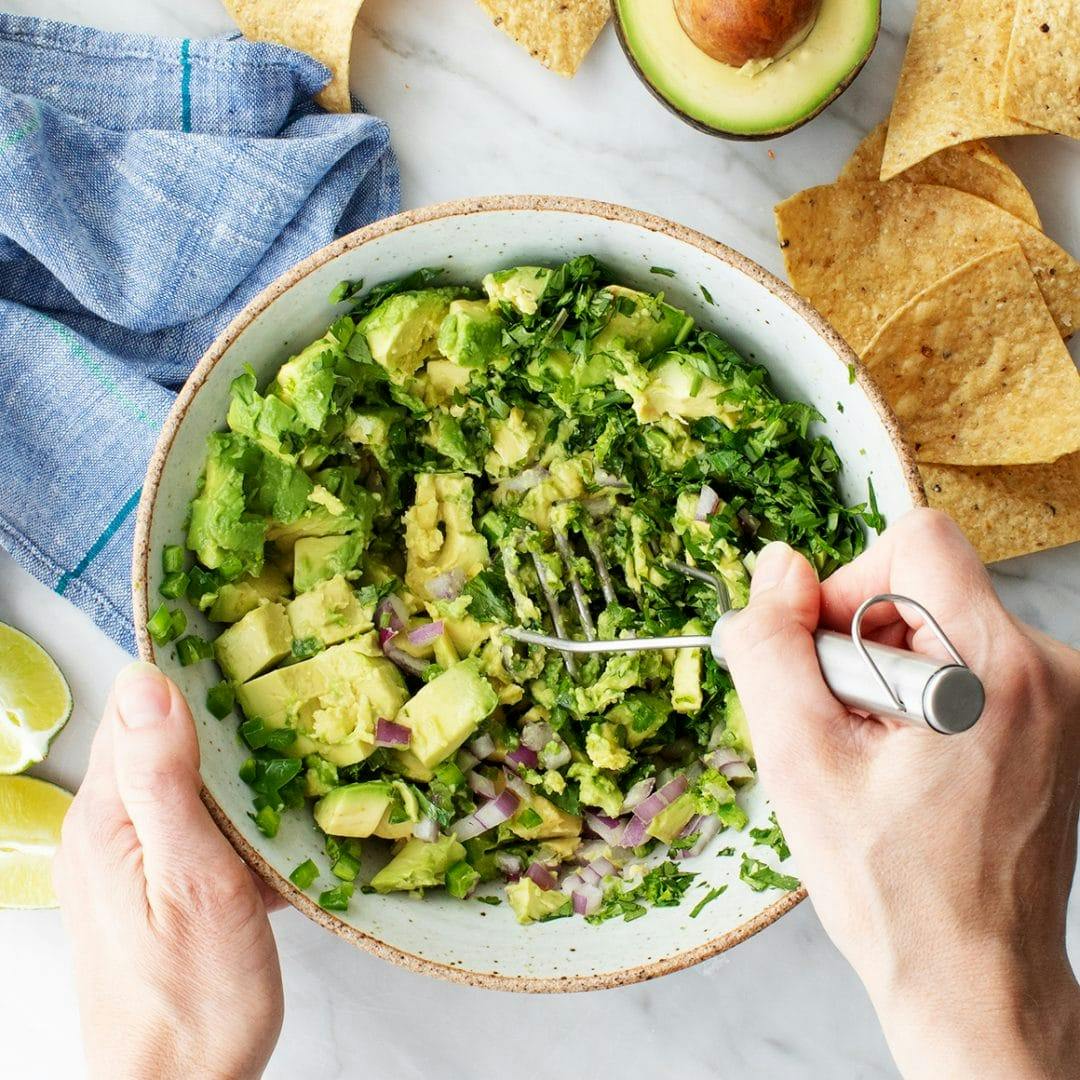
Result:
[760,876]
[772,837]
[851,373]
[705,292]
[708,898]
[494,901]
[663,271]
[663,886]
[726,851]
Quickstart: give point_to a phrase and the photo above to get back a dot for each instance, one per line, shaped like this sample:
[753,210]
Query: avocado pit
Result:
[739,32]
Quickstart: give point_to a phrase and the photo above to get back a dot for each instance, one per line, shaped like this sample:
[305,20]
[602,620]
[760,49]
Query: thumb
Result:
[156,756]
[769,649]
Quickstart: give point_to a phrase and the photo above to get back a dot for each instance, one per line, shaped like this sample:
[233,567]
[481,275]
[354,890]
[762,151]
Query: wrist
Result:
[987,1011]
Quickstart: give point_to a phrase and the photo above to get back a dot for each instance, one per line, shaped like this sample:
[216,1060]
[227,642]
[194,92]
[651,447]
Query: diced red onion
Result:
[737,770]
[609,830]
[748,521]
[386,635]
[516,784]
[536,735]
[707,502]
[466,760]
[598,506]
[426,634]
[634,834]
[523,756]
[387,733]
[691,825]
[571,882]
[604,867]
[525,481]
[589,875]
[586,899]
[730,763]
[426,829]
[481,784]
[555,757]
[508,864]
[391,613]
[411,664]
[638,793]
[542,876]
[708,828]
[648,808]
[483,746]
[491,814]
[605,479]
[447,585]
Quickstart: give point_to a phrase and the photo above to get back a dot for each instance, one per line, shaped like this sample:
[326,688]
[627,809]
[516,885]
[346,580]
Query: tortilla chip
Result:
[1042,70]
[557,32]
[857,251]
[950,82]
[1010,510]
[976,371]
[972,167]
[320,28]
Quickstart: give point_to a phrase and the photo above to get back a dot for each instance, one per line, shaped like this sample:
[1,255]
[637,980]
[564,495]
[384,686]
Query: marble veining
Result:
[472,114]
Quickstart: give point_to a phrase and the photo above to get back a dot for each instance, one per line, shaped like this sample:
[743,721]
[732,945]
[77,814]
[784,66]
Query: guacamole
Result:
[442,463]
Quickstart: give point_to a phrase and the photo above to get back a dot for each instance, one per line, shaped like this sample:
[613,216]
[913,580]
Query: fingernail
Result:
[142,695]
[771,567]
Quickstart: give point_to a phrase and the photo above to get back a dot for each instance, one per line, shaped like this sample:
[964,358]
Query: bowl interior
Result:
[757,314]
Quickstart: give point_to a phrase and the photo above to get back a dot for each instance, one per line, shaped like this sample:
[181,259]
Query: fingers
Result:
[156,758]
[924,556]
[769,647]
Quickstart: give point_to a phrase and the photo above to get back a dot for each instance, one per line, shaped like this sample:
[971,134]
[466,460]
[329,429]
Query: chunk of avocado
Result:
[471,334]
[439,532]
[402,331]
[676,388]
[521,287]
[418,865]
[361,810]
[642,714]
[319,558]
[553,821]
[221,529]
[332,700]
[514,444]
[259,640]
[236,598]
[530,903]
[761,99]
[446,711]
[306,381]
[642,322]
[603,744]
[371,427]
[672,819]
[440,380]
[736,725]
[330,612]
[686,695]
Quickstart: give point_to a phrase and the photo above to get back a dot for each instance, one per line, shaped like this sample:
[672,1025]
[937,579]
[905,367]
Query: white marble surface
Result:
[472,114]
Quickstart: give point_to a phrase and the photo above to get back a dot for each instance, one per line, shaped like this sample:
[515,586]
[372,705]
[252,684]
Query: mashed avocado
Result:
[449,460]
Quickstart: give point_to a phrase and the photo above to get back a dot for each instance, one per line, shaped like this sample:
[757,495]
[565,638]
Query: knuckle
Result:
[155,784]
[217,902]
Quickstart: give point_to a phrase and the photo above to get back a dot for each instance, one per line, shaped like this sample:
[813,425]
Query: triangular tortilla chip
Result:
[857,251]
[976,371]
[320,28]
[1042,71]
[1010,510]
[951,81]
[972,167]
[558,33]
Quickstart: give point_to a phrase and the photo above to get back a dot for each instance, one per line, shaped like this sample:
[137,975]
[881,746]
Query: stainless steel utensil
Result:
[942,696]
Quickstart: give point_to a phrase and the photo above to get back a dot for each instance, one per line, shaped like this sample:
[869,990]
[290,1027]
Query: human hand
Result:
[940,866]
[176,966]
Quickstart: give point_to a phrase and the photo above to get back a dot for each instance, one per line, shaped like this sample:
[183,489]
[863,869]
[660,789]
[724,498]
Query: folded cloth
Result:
[148,189]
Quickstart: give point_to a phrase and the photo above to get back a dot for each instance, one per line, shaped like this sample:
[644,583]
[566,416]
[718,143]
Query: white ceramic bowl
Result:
[761,316]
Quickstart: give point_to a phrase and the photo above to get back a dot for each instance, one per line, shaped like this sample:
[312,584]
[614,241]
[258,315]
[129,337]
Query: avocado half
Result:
[725,101]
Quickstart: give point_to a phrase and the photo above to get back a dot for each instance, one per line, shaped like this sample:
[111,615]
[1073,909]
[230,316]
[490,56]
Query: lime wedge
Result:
[31,812]
[35,701]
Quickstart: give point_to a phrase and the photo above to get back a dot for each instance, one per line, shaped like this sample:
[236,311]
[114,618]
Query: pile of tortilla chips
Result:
[944,283]
[976,68]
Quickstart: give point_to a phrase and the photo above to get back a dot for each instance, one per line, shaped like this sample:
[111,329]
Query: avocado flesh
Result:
[726,101]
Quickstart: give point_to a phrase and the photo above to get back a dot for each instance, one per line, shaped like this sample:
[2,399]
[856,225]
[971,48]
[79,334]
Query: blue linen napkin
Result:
[148,189]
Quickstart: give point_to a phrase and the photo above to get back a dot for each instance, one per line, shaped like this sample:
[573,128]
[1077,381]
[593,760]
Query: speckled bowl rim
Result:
[141,555]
